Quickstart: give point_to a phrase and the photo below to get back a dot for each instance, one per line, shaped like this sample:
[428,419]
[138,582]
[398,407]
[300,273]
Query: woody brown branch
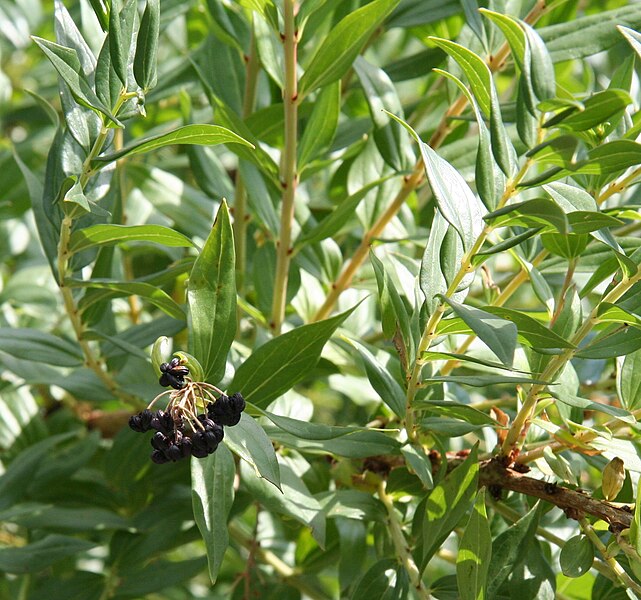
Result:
[576,504]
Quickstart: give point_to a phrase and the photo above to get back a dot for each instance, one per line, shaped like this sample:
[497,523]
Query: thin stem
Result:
[400,544]
[411,183]
[241,216]
[618,186]
[624,579]
[289,176]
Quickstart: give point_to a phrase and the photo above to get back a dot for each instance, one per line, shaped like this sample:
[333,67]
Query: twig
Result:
[400,544]
[289,176]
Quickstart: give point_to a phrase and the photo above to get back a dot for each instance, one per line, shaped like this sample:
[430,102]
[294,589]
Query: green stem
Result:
[400,544]
[289,176]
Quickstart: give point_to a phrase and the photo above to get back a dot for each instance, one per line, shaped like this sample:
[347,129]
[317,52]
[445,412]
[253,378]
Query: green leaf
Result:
[395,314]
[632,37]
[48,233]
[475,551]
[147,46]
[321,127]
[40,346]
[359,444]
[482,84]
[541,67]
[597,108]
[382,381]
[380,582]
[446,505]
[577,556]
[490,181]
[45,516]
[249,441]
[211,293]
[612,157]
[294,501]
[456,201]
[212,494]
[507,549]
[306,430]
[153,294]
[613,341]
[204,135]
[65,61]
[499,334]
[41,554]
[340,48]
[630,382]
[419,462]
[483,380]
[577,402]
[118,50]
[539,211]
[590,34]
[531,332]
[279,364]
[447,408]
[100,235]
[514,34]
[431,279]
[391,139]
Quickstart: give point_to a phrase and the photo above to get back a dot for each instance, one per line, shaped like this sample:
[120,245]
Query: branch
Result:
[575,504]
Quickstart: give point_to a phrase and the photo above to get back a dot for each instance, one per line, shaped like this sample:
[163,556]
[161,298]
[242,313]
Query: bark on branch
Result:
[576,504]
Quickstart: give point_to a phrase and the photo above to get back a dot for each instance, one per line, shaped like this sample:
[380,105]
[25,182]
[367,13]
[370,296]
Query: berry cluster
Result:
[181,430]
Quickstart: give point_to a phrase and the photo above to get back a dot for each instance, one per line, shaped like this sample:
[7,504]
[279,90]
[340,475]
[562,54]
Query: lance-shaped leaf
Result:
[212,494]
[340,48]
[211,293]
[248,440]
[65,61]
[41,554]
[382,381]
[101,235]
[499,335]
[474,555]
[40,346]
[203,135]
[153,294]
[446,505]
[279,364]
[147,46]
[483,88]
[507,548]
[321,127]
